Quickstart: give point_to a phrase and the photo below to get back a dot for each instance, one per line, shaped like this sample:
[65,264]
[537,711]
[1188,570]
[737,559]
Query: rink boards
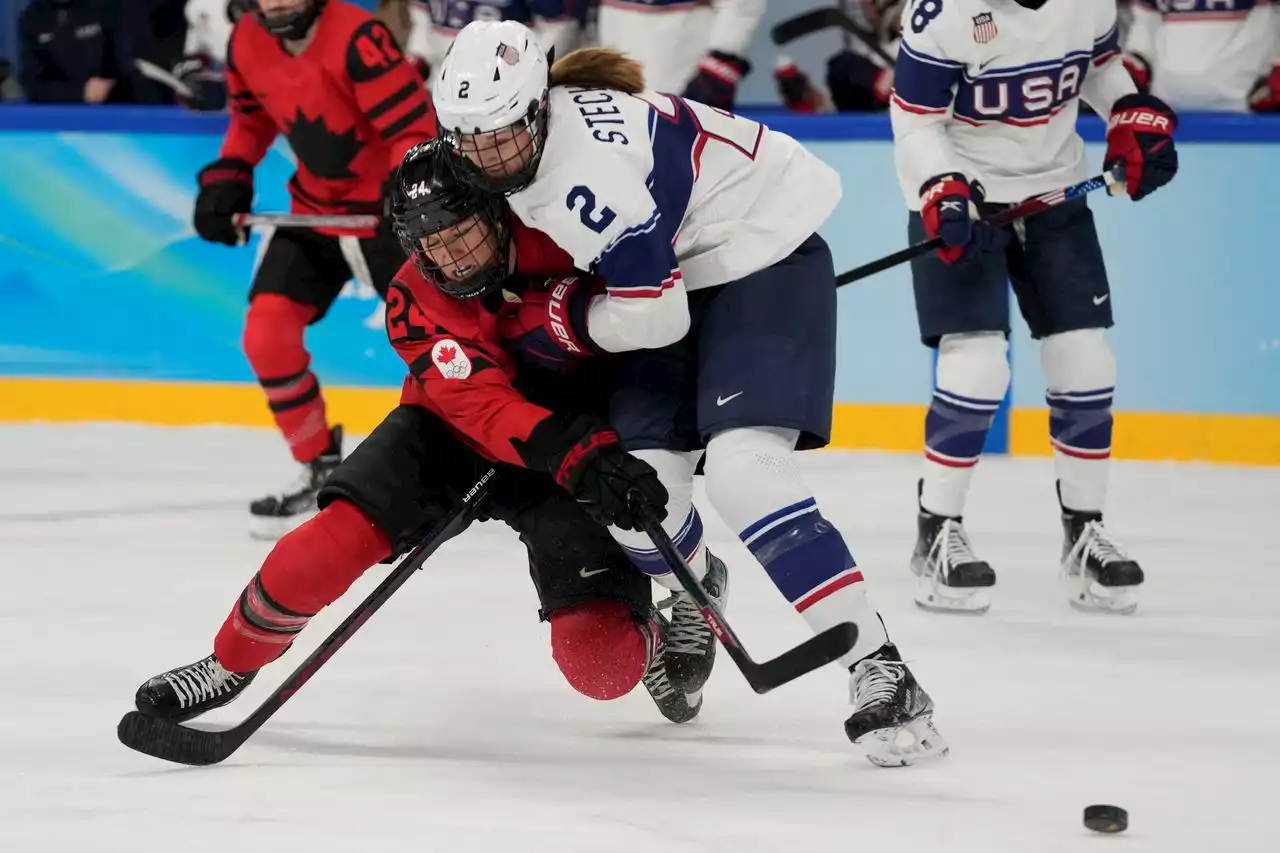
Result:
[111,308]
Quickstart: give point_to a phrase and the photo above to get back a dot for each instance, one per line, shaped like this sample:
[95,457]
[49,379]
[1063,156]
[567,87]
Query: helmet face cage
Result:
[465,229]
[292,24]
[503,160]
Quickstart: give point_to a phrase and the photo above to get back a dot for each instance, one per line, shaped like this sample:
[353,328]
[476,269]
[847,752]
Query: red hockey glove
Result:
[1139,69]
[795,89]
[584,456]
[716,83]
[552,320]
[1140,135]
[948,210]
[1264,97]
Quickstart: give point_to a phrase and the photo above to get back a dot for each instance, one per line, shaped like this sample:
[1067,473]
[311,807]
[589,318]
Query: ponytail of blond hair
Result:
[599,68]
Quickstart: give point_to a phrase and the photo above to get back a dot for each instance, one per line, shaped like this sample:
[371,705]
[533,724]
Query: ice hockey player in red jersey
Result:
[331,78]
[474,339]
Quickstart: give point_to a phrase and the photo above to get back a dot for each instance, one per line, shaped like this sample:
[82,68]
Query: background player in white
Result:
[435,23]
[694,47]
[667,200]
[204,53]
[1204,54]
[988,90]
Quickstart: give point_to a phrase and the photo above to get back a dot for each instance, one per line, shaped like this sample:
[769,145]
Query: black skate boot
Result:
[949,576]
[188,691]
[1099,576]
[892,715]
[671,701]
[691,644]
[275,515]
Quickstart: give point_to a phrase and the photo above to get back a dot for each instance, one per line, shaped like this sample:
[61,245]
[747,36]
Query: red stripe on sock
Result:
[822,592]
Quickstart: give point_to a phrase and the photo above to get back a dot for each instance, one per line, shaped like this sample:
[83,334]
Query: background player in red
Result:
[473,338]
[331,78]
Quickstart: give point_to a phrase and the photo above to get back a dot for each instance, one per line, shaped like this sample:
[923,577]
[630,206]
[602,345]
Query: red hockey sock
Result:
[273,331]
[599,648]
[309,568]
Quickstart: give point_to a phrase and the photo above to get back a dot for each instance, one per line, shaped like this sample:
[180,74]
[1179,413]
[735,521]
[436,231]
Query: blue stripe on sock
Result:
[756,527]
[649,561]
[800,554]
[954,431]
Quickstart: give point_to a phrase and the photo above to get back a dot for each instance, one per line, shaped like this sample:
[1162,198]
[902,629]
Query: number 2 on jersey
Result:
[588,212]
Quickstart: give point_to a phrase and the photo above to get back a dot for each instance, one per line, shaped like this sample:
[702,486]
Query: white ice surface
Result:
[445,726]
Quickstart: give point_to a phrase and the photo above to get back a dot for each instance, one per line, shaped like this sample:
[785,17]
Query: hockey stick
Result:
[817,20]
[183,745]
[813,653]
[154,72]
[304,220]
[1113,181]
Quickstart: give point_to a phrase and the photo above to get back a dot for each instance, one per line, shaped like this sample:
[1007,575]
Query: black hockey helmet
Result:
[292,23]
[431,199]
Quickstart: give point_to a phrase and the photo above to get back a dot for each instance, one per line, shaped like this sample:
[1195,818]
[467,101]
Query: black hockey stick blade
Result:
[812,654]
[817,20]
[183,745]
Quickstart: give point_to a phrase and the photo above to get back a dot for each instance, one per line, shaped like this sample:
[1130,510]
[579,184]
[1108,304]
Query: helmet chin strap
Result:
[292,26]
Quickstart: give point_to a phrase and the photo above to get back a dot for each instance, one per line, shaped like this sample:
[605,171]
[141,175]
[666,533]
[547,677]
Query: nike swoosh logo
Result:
[1098,300]
[587,574]
[720,401]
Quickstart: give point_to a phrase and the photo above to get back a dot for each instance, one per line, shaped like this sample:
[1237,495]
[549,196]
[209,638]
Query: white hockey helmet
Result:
[491,101]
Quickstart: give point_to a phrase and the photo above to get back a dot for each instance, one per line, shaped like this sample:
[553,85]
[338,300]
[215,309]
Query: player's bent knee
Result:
[974,364]
[599,648]
[273,335]
[1080,360]
[747,463]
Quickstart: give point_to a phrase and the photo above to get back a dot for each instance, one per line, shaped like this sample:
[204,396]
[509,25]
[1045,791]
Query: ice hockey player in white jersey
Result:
[1204,54]
[702,224]
[204,52]
[986,96]
[435,23]
[697,48]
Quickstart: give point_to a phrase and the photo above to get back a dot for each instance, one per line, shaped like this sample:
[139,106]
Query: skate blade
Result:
[938,598]
[1088,596]
[903,746]
[269,528]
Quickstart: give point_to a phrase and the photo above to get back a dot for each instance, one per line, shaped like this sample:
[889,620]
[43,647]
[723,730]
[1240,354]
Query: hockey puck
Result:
[1109,819]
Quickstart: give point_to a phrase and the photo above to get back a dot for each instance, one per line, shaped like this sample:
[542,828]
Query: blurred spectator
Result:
[1207,55]
[860,77]
[202,84]
[69,50]
[154,31]
[9,88]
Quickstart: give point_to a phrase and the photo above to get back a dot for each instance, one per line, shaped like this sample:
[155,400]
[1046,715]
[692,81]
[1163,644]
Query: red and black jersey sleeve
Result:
[251,130]
[387,90]
[537,255]
[457,369]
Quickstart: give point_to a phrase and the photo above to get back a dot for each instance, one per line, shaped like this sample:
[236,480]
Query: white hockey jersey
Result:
[991,90]
[1205,54]
[435,23]
[670,37]
[659,195]
[208,29]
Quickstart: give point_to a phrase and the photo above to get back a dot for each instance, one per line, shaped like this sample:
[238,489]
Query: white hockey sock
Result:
[1080,371]
[755,486]
[971,380]
[683,523]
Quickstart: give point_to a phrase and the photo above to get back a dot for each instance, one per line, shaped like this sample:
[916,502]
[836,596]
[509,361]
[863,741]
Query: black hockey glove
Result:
[226,188]
[585,458]
[716,81]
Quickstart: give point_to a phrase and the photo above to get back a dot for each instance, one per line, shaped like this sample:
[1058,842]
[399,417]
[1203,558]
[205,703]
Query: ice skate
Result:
[188,691]
[690,645]
[275,515]
[892,715]
[949,576]
[1099,576]
[672,702]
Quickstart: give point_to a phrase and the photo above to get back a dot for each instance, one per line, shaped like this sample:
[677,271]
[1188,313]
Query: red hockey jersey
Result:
[459,353]
[349,105]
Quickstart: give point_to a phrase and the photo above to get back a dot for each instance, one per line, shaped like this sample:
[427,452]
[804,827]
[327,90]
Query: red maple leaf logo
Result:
[447,354]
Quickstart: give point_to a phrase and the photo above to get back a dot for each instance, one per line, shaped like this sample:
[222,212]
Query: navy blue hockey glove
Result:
[226,188]
[857,84]
[948,206]
[716,83]
[207,85]
[1140,135]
